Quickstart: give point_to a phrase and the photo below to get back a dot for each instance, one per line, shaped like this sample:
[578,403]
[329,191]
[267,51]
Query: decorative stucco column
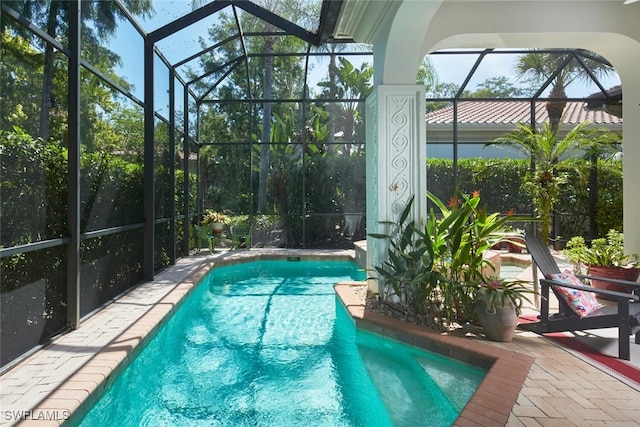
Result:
[396,162]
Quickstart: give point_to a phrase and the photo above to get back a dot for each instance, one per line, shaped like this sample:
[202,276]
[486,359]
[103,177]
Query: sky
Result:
[455,69]
[128,44]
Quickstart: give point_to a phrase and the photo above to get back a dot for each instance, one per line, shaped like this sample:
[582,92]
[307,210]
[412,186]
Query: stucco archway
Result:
[403,32]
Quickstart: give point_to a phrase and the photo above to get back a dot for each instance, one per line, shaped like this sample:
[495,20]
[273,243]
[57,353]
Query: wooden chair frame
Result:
[622,311]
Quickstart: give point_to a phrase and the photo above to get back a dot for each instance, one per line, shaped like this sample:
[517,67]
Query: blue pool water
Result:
[266,344]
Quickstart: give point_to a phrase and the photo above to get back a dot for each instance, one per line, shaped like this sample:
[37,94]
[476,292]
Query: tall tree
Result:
[547,152]
[100,18]
[295,10]
[562,68]
[270,77]
[267,94]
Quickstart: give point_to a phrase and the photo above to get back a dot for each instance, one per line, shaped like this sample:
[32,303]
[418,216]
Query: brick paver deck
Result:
[44,389]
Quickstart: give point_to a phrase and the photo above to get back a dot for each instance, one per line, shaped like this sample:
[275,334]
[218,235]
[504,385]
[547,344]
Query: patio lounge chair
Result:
[623,311]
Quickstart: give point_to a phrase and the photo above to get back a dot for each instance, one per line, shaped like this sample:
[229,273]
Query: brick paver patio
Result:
[559,389]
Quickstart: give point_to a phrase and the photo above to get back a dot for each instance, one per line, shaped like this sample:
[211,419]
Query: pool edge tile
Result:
[507,372]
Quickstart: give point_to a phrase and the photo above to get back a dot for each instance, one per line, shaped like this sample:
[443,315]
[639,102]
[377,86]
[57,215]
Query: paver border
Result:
[492,402]
[507,370]
[76,395]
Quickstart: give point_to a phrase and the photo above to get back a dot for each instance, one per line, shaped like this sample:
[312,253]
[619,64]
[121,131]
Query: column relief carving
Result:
[396,168]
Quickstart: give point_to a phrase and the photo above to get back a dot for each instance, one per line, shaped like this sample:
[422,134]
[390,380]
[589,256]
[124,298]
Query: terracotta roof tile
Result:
[512,112]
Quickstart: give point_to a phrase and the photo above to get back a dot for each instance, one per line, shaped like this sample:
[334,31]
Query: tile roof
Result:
[512,112]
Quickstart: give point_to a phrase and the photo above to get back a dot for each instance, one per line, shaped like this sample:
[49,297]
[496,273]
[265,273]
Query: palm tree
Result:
[560,69]
[548,152]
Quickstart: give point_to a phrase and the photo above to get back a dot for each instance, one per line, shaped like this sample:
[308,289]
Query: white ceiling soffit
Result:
[361,19]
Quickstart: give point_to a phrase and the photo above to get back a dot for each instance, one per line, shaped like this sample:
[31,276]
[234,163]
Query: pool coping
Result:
[96,375]
[507,370]
[70,400]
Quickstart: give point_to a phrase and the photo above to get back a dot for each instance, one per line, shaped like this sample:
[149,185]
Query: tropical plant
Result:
[211,216]
[408,270]
[499,293]
[605,251]
[461,234]
[354,84]
[547,151]
[438,266]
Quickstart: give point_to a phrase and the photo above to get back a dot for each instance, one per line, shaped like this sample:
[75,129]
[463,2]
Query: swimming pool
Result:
[264,343]
[511,270]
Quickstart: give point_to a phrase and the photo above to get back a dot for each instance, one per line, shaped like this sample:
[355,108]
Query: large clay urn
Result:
[499,322]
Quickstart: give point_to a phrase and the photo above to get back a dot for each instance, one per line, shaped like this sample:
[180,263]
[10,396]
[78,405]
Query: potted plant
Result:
[432,263]
[407,273]
[605,257]
[216,219]
[462,233]
[498,305]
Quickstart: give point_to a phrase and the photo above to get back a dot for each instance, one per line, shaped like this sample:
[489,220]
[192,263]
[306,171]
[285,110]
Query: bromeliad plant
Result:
[500,293]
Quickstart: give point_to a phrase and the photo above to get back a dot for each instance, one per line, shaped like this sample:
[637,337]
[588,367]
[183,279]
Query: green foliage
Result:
[547,151]
[34,189]
[111,192]
[20,73]
[605,251]
[574,202]
[498,293]
[408,269]
[495,87]
[437,267]
[498,180]
[609,204]
[34,208]
[461,233]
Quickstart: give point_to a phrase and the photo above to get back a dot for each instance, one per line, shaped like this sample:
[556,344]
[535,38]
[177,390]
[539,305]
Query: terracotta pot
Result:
[216,228]
[513,248]
[621,273]
[500,323]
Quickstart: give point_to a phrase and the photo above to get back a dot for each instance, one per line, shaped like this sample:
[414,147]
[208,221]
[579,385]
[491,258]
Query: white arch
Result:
[414,28]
